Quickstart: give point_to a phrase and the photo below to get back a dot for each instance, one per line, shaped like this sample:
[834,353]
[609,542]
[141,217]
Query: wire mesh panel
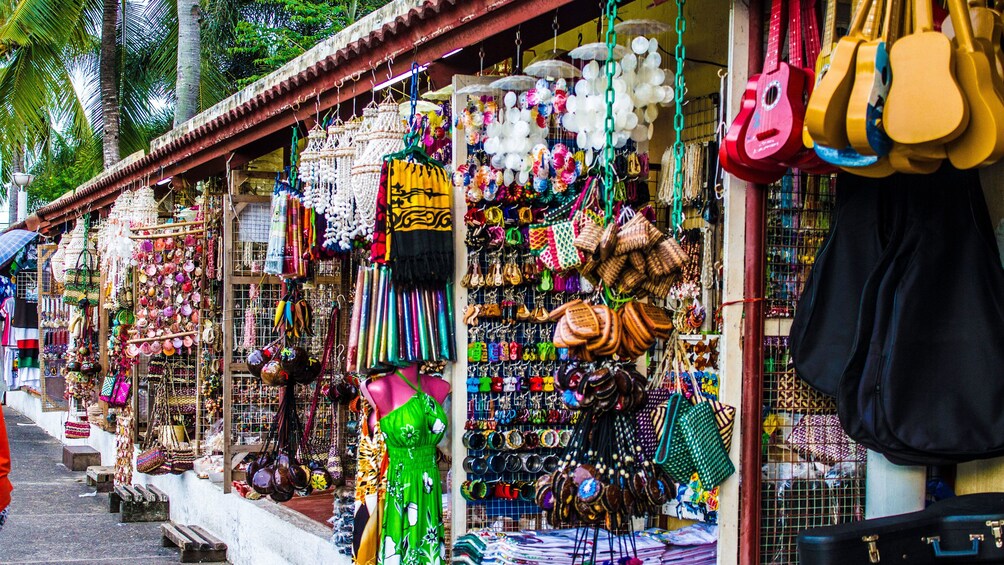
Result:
[799,209]
[813,474]
[53,337]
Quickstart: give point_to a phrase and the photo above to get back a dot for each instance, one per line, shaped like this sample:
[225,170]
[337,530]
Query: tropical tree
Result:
[109,80]
[189,60]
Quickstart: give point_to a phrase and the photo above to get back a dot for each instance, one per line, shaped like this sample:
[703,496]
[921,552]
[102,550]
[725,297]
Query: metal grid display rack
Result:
[249,297]
[53,317]
[812,473]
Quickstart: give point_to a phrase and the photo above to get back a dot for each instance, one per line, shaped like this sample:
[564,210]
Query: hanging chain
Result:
[518,61]
[608,123]
[676,214]
[554,26]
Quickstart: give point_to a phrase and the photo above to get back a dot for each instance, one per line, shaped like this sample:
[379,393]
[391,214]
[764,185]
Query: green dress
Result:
[413,510]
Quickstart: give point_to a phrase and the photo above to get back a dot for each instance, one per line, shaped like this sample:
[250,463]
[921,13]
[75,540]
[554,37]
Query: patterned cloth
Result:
[3,517]
[371,484]
[420,222]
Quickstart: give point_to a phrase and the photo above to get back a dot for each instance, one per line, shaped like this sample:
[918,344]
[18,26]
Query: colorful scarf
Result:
[419,222]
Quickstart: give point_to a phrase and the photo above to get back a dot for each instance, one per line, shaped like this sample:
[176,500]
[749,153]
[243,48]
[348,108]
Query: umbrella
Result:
[12,242]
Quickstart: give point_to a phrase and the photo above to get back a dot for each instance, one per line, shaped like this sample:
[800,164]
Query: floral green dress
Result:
[413,511]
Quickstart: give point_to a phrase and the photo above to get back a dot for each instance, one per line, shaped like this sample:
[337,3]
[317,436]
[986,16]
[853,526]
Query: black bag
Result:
[825,326]
[926,372]
[964,529]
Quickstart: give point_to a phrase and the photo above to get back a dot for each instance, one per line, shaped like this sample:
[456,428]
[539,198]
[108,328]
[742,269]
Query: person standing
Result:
[5,486]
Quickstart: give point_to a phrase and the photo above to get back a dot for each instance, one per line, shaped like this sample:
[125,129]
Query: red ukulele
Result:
[732,152]
[775,130]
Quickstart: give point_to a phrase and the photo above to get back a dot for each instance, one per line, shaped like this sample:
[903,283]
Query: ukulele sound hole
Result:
[771,95]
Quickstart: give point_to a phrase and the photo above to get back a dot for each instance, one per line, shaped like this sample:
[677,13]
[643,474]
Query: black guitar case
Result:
[964,529]
[926,375]
[825,326]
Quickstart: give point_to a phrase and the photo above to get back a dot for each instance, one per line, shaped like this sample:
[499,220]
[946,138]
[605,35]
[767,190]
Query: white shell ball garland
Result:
[510,137]
[639,86]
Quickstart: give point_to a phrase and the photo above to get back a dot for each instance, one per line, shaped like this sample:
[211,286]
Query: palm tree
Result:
[189,61]
[109,81]
[40,44]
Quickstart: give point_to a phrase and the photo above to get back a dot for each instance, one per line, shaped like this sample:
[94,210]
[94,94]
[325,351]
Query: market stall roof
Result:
[12,242]
[383,44]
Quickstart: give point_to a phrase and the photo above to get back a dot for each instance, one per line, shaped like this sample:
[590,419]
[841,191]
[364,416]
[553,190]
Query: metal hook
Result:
[390,69]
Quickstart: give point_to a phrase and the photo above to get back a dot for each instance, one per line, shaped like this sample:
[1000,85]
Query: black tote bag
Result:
[825,326]
[926,375]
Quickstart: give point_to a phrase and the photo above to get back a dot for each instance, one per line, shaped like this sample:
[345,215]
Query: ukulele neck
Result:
[772,61]
[811,30]
[795,32]
[830,25]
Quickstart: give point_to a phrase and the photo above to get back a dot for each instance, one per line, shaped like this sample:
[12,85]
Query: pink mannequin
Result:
[390,391]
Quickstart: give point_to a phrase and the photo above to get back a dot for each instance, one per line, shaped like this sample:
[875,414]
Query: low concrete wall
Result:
[256,532]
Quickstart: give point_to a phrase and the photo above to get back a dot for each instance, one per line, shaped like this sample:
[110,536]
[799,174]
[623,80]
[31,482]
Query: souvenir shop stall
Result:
[523,301]
[863,205]
[19,340]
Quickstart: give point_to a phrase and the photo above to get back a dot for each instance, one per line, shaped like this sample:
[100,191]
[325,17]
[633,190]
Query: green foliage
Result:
[66,165]
[270,33]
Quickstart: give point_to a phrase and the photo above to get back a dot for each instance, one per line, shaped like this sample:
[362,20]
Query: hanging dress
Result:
[370,486]
[413,513]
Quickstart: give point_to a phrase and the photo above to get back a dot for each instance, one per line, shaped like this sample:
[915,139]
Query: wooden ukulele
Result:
[823,57]
[987,24]
[806,158]
[826,114]
[846,156]
[872,79]
[774,133]
[925,86]
[982,142]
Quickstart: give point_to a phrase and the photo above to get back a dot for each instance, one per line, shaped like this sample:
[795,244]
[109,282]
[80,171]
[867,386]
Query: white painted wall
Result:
[256,532]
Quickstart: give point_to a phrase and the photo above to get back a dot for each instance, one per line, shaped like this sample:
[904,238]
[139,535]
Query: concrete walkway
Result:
[49,522]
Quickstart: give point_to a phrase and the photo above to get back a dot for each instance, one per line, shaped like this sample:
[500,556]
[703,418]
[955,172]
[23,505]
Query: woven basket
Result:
[630,280]
[633,235]
[659,287]
[611,269]
[590,233]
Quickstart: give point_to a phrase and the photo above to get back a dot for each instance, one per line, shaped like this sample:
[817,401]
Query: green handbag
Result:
[672,453]
[691,443]
[697,425]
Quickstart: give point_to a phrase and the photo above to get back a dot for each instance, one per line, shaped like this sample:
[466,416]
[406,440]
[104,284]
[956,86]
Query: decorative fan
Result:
[552,68]
[596,52]
[517,83]
[631,28]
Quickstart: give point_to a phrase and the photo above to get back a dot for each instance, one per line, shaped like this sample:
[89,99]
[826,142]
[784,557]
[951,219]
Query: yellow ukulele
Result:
[926,104]
[872,79]
[915,159]
[987,25]
[823,60]
[982,142]
[826,114]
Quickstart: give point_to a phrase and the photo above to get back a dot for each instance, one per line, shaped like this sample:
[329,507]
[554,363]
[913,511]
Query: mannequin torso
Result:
[391,391]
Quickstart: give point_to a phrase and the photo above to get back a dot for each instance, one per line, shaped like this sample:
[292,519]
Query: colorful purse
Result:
[820,437]
[77,430]
[107,388]
[794,395]
[120,394]
[152,461]
[182,400]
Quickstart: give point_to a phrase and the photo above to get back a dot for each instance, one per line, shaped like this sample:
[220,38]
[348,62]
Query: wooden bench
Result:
[195,544]
[102,478]
[80,457]
[137,503]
